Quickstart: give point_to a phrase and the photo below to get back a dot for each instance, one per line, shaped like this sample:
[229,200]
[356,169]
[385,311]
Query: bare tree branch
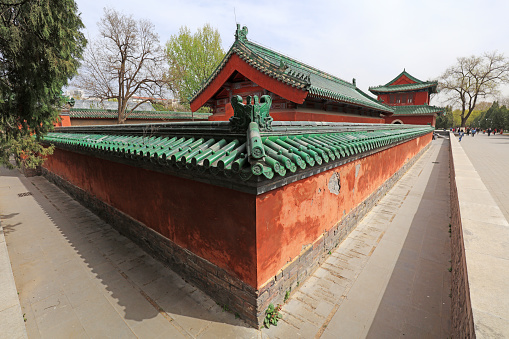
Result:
[127,59]
[473,78]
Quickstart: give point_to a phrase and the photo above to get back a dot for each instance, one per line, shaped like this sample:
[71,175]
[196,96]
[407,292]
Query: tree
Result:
[472,78]
[40,48]
[446,120]
[192,58]
[126,60]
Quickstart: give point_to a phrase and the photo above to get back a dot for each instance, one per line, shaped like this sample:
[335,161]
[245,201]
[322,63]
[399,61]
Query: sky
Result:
[371,41]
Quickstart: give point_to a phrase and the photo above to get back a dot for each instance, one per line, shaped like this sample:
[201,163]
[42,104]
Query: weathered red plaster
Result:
[250,237]
[295,115]
[64,120]
[294,216]
[413,119]
[216,223]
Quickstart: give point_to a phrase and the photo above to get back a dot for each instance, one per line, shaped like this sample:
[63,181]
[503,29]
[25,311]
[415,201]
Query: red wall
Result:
[413,120]
[252,237]
[216,223]
[293,216]
[421,98]
[303,116]
[64,120]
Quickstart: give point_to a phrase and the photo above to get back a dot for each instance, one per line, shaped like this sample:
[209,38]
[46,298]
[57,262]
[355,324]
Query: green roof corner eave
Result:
[418,110]
[293,81]
[417,85]
[430,86]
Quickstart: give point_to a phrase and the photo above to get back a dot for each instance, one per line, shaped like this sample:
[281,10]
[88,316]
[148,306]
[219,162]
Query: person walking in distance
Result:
[461,134]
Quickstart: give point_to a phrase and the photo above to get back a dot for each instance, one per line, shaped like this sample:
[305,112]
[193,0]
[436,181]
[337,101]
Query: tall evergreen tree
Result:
[40,48]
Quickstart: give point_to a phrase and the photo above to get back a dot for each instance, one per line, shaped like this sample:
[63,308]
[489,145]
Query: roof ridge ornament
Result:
[253,111]
[241,34]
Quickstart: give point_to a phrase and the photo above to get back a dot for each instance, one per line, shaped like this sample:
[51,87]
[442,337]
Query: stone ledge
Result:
[480,253]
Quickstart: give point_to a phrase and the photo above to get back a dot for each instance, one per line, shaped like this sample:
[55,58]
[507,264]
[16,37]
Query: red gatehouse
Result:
[410,99]
[299,92]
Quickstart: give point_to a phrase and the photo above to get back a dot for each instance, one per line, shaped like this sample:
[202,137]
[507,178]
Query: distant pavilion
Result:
[410,99]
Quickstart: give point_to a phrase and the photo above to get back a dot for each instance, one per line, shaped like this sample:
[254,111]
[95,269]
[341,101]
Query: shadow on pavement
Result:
[416,301]
[136,285]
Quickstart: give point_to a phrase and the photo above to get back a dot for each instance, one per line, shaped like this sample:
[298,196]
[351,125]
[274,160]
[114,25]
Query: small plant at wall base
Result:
[272,315]
[287,295]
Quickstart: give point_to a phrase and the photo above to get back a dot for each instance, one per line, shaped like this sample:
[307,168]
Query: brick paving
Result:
[490,157]
[77,277]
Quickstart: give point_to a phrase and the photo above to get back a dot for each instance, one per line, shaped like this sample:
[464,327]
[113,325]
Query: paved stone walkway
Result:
[390,277]
[490,157]
[77,277]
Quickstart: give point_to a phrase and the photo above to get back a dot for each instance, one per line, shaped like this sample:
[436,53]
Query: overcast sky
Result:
[372,41]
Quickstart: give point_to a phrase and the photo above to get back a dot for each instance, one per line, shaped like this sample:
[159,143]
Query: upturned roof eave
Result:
[401,88]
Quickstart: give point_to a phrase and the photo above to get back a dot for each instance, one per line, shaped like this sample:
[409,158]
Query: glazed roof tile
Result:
[418,85]
[297,74]
[288,148]
[83,113]
[418,110]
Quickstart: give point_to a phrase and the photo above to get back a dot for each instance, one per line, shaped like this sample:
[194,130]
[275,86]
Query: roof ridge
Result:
[300,64]
[407,75]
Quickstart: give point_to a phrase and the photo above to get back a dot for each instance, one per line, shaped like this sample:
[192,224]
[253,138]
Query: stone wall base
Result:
[223,288]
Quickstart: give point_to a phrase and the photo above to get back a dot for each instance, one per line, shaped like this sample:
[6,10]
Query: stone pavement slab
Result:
[490,158]
[78,277]
[11,318]
[390,277]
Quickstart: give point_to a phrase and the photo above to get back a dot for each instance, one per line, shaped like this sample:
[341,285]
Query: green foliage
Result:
[272,315]
[40,44]
[494,117]
[27,152]
[473,78]
[287,295]
[445,121]
[192,58]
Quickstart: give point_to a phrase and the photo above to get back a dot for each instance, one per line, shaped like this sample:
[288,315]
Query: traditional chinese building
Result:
[410,98]
[299,92]
[94,116]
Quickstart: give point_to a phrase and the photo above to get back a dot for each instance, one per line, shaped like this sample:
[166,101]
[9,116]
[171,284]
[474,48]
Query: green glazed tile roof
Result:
[418,110]
[82,113]
[297,74]
[418,85]
[289,148]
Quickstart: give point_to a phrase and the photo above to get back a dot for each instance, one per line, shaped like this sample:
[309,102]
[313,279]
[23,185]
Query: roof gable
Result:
[403,78]
[404,82]
[289,73]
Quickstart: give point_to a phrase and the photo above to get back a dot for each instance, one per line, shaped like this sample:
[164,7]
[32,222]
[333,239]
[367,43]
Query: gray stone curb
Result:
[480,253]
